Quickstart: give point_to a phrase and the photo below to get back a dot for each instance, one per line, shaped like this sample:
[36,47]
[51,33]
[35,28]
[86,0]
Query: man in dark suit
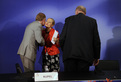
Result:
[80,42]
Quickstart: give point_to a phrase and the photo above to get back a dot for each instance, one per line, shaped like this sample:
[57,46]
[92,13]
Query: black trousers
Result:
[76,65]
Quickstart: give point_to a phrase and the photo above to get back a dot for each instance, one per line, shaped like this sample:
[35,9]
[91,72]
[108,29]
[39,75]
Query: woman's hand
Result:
[56,40]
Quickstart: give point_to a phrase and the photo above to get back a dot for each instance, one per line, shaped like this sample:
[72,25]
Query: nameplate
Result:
[54,36]
[46,76]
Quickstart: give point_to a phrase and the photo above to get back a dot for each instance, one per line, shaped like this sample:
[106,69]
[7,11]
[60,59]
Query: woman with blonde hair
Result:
[50,52]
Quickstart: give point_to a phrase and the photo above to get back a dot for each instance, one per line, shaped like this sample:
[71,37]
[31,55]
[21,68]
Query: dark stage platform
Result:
[65,77]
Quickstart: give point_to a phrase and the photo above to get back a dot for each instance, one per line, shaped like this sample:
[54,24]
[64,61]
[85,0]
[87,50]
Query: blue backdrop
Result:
[15,15]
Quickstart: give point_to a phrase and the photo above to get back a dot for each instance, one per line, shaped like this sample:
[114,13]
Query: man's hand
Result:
[95,62]
[42,43]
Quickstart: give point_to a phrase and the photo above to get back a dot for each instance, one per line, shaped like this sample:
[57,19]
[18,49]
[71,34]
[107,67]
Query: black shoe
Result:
[18,68]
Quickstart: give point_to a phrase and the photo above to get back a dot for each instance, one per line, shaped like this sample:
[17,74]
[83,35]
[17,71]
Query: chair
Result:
[108,65]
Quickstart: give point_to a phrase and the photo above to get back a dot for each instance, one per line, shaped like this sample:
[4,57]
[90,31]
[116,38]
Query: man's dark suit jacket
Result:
[79,38]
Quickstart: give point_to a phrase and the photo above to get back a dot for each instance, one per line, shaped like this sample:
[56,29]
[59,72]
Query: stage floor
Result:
[66,77]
